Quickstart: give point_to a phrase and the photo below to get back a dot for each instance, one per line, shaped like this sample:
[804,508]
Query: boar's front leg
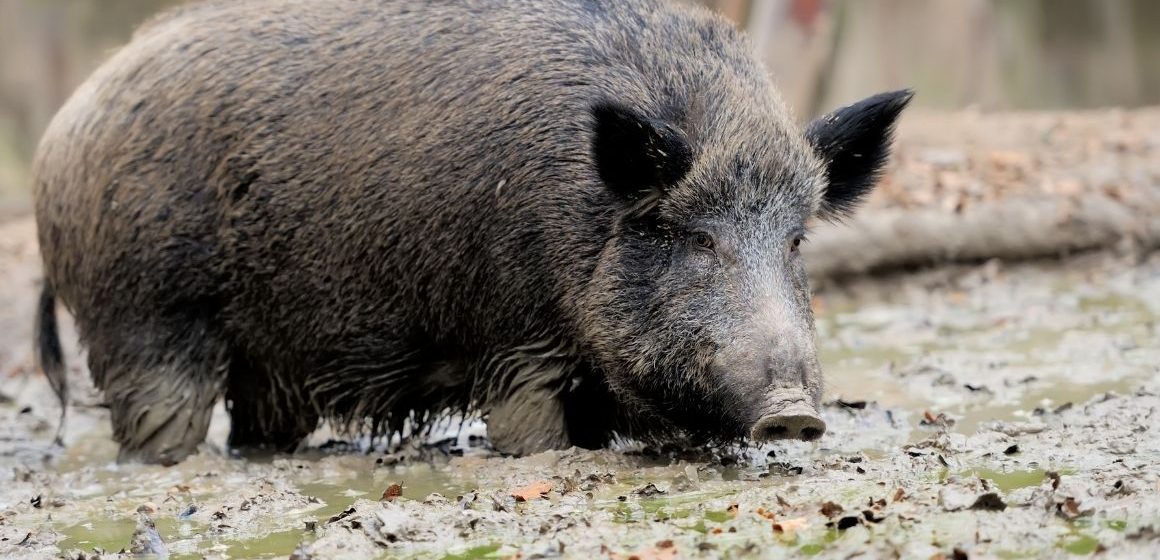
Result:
[549,402]
[523,399]
[529,420]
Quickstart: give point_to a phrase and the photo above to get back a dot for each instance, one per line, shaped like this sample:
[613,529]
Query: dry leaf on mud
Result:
[787,527]
[899,495]
[1069,509]
[830,509]
[532,491]
[393,491]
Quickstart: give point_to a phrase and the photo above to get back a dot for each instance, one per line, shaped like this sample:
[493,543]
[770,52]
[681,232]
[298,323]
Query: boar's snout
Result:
[790,416]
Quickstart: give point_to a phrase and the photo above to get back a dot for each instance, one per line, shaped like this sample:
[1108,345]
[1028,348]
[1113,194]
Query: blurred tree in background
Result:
[995,54]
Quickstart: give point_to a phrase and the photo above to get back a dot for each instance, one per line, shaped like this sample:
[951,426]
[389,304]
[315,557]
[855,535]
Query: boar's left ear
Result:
[635,155]
[854,142]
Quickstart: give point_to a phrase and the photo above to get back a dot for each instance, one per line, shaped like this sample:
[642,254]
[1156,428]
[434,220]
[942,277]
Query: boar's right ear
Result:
[854,143]
[637,156]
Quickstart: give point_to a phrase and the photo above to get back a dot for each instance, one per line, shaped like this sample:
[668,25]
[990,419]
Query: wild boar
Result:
[579,219]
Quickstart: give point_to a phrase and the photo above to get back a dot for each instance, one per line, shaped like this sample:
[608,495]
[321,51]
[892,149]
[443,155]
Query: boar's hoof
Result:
[796,421]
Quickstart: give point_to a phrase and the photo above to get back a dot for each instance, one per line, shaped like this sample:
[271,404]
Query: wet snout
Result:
[790,415]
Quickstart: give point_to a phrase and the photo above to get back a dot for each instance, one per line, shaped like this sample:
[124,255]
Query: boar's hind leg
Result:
[266,414]
[161,400]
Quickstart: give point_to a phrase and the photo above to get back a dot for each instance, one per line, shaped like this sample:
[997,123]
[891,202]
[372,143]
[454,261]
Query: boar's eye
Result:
[702,240]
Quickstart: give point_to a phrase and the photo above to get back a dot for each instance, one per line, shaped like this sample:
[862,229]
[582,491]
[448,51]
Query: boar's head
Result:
[698,312]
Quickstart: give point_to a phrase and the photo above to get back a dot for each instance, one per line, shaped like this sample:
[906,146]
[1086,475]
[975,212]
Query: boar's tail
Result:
[49,356]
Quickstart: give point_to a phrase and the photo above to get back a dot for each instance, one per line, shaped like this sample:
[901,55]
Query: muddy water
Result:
[1004,412]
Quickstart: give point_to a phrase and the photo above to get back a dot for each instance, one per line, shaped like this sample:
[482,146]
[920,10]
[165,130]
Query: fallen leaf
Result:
[1069,509]
[940,420]
[393,491]
[899,495]
[532,491]
[830,509]
[787,527]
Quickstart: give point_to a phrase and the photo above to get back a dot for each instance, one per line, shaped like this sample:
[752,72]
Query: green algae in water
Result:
[718,516]
[663,514]
[485,551]
[117,534]
[1015,554]
[816,547]
[1116,524]
[1008,481]
[1080,544]
[622,514]
[699,527]
[106,533]
[274,545]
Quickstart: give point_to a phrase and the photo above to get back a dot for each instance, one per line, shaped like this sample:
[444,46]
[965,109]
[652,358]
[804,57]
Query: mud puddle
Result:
[998,411]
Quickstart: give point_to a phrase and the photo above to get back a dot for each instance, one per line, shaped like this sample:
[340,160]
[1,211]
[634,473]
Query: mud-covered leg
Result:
[265,415]
[530,420]
[161,397]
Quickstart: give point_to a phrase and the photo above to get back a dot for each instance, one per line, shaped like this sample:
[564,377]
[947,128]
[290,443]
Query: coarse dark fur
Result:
[578,218]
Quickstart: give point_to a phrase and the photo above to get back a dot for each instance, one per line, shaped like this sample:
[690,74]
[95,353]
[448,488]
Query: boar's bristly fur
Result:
[576,218]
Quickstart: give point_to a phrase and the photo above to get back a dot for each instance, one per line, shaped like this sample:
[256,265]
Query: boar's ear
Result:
[635,155]
[854,142]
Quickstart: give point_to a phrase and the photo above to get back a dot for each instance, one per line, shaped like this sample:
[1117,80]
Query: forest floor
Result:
[984,407]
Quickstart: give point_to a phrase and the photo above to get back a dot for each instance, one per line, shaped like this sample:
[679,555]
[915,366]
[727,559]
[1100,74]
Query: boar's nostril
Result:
[776,431]
[800,423]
